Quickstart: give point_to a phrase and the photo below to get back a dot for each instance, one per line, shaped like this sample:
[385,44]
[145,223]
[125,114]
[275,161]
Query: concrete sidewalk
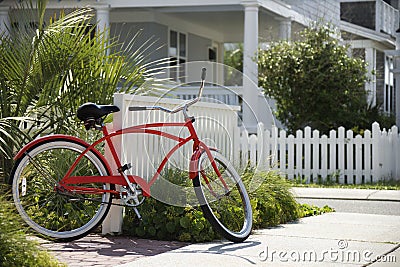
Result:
[333,239]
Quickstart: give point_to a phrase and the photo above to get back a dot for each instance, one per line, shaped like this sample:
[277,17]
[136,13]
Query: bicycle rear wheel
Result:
[223,200]
[58,215]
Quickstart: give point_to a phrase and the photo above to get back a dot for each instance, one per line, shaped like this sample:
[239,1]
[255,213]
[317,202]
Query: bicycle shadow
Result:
[108,249]
[227,248]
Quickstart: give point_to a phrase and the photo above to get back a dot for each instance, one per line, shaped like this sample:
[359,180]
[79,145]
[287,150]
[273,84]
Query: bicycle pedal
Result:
[136,222]
[125,167]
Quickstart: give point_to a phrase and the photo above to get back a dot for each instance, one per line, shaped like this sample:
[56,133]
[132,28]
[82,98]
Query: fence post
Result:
[367,156]
[359,155]
[396,153]
[324,157]
[261,153]
[332,152]
[299,153]
[267,147]
[316,159]
[290,168]
[282,151]
[113,221]
[376,152]
[392,153]
[384,147]
[236,146]
[340,150]
[253,150]
[350,157]
[244,147]
[307,153]
[274,147]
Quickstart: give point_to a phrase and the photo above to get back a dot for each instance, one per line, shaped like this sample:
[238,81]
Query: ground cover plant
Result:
[272,204]
[389,184]
[15,248]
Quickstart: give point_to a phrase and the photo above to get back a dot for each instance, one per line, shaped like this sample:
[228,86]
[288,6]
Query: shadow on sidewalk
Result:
[107,251]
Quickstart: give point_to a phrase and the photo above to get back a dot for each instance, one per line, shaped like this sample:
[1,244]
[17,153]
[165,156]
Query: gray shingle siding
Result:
[329,10]
[359,13]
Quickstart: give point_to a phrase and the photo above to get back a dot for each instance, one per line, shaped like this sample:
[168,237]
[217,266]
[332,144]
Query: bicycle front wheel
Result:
[53,213]
[223,198]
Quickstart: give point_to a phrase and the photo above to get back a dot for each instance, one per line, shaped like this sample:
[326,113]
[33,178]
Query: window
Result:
[212,54]
[389,93]
[178,55]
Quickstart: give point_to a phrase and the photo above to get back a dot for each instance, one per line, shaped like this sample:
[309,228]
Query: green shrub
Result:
[272,201]
[164,222]
[331,181]
[15,248]
[272,204]
[307,210]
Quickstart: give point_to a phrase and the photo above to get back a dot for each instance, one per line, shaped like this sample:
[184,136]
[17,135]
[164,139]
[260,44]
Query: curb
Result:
[346,198]
[346,194]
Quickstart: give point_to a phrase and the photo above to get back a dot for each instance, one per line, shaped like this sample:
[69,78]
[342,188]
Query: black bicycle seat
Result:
[93,111]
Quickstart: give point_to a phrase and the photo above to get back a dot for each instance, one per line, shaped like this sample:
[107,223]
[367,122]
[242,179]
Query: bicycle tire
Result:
[55,215]
[228,211]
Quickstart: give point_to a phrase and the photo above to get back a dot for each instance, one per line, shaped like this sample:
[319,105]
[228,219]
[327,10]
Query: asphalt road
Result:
[357,206]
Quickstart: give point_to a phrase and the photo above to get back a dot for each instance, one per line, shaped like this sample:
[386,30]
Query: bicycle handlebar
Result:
[180,108]
[203,74]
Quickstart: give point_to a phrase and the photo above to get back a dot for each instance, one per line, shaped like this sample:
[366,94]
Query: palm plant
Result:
[51,67]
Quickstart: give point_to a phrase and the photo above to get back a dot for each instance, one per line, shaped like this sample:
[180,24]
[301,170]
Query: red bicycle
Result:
[62,186]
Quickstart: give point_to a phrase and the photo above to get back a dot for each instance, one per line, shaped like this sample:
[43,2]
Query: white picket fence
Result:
[341,156]
[216,125]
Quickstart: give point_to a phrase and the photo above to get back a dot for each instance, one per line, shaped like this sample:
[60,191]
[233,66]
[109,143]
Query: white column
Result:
[103,22]
[113,222]
[285,28]
[396,75]
[4,19]
[250,67]
[371,86]
[103,17]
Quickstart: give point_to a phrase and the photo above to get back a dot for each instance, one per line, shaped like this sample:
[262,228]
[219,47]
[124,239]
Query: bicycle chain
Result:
[92,199]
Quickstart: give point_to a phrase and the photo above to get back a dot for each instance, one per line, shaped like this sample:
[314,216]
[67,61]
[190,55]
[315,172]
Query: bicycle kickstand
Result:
[137,213]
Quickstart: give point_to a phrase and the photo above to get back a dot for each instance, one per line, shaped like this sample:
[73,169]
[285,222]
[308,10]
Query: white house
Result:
[370,28]
[194,30]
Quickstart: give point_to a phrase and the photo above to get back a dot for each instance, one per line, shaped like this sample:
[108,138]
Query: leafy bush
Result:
[164,222]
[312,210]
[272,204]
[272,201]
[15,248]
[316,83]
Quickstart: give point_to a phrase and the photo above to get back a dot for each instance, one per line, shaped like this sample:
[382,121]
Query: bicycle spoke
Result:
[223,198]
[38,168]
[59,214]
[75,214]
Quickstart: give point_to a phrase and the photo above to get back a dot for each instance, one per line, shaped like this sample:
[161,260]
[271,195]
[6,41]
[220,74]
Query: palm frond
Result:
[49,68]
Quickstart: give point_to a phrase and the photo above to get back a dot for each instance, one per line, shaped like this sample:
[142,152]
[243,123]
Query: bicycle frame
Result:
[69,183]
